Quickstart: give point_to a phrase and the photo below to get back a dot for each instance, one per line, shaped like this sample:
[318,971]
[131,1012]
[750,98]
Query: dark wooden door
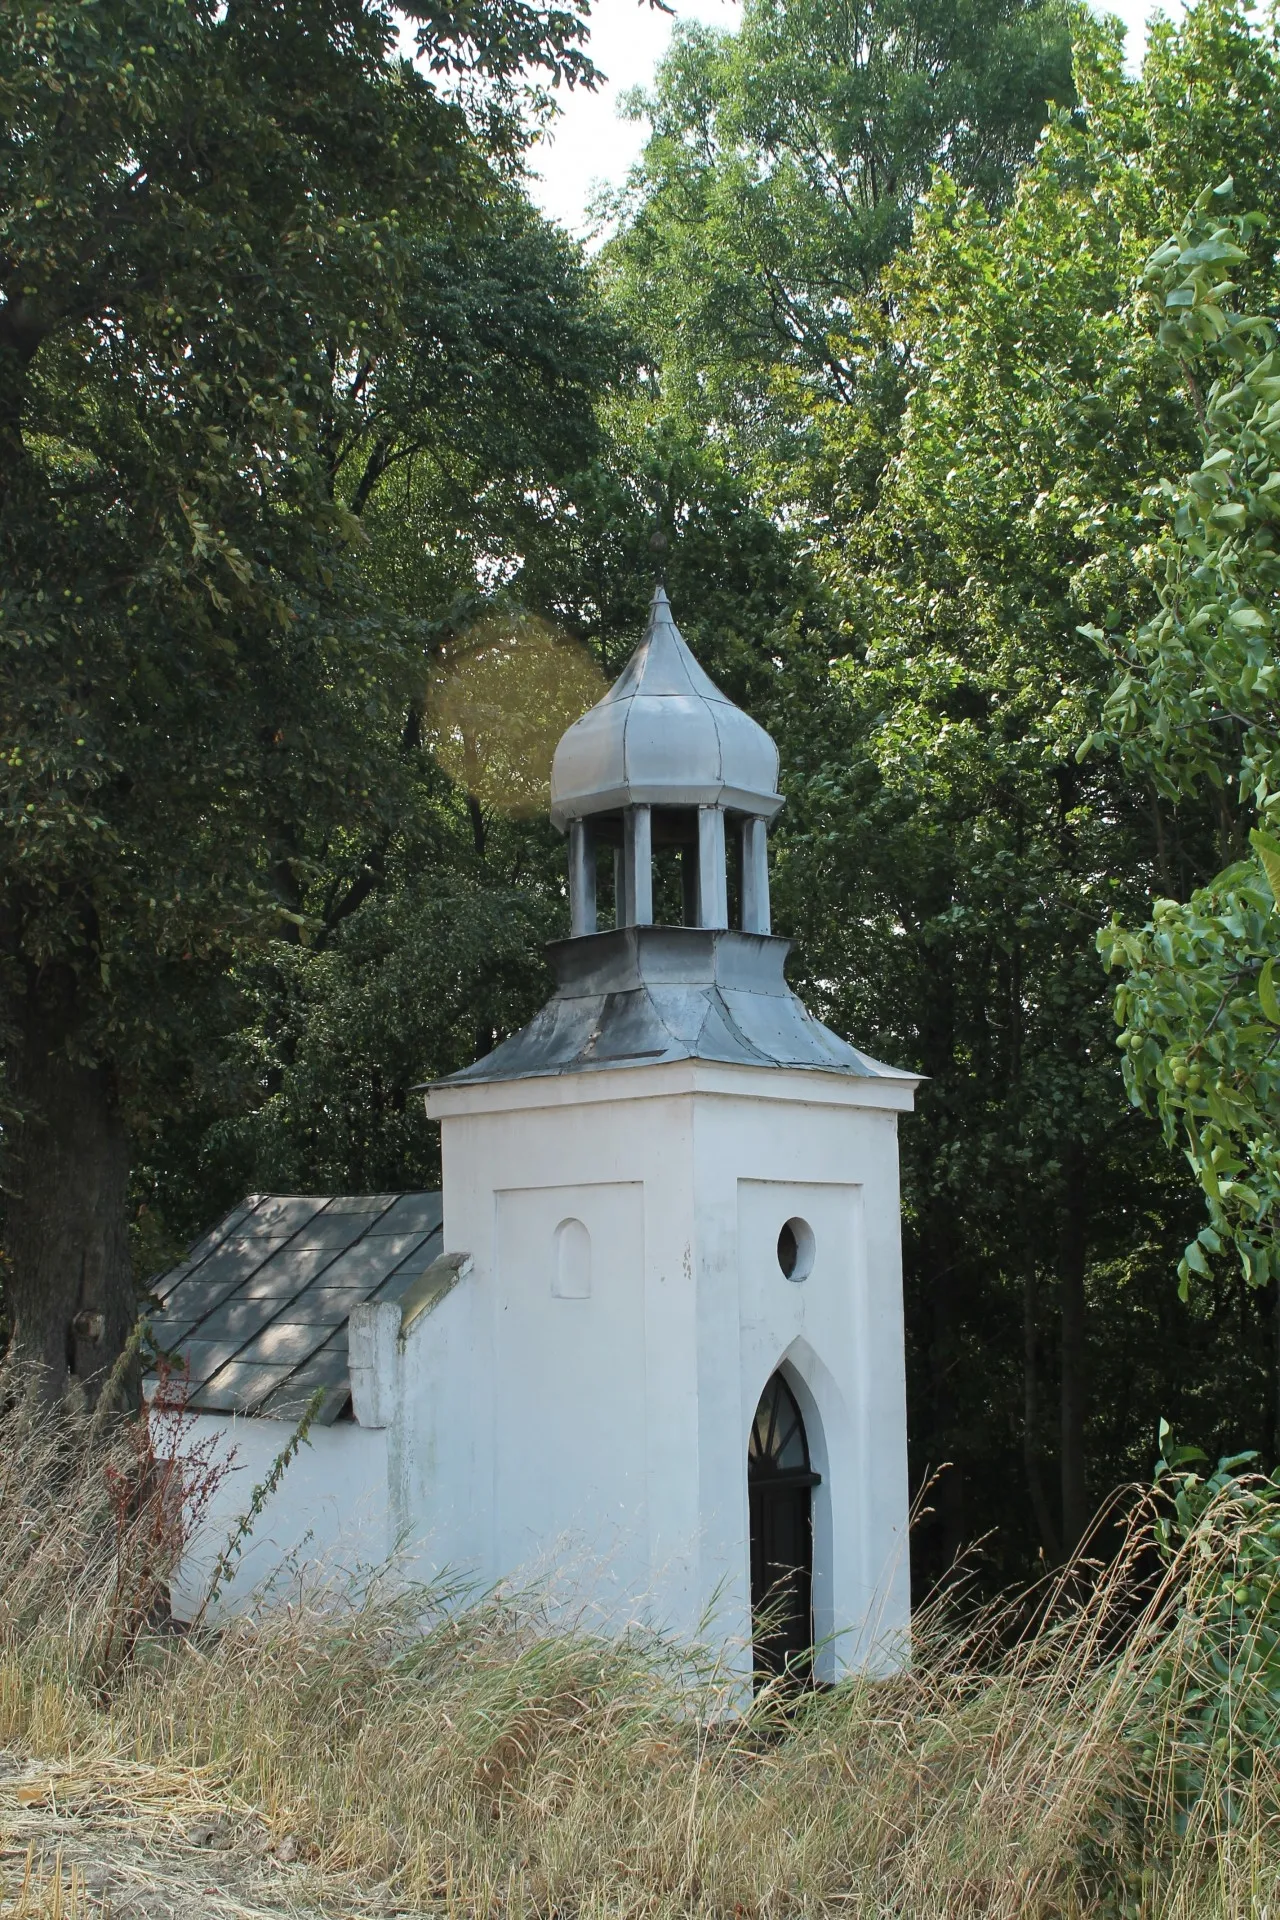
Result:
[780,1483]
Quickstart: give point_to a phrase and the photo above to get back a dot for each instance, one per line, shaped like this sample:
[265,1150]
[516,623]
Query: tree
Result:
[210,230]
[965,489]
[779,181]
[1194,707]
[1038,414]
[985,858]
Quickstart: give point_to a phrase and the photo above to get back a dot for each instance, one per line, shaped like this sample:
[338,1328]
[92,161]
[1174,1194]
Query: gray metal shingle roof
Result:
[258,1310]
[635,996]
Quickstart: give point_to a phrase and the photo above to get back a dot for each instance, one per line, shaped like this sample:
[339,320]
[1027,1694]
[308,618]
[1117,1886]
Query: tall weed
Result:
[1044,1758]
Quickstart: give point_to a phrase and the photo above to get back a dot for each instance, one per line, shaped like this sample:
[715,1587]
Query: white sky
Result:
[591,143]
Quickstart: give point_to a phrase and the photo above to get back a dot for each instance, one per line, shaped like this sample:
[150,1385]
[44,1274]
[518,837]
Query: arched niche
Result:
[571,1261]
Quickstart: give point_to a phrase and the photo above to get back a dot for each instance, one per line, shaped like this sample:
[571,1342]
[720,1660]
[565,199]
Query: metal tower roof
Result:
[664,735]
[642,996]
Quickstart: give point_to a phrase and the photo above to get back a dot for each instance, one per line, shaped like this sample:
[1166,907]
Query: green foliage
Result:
[1194,707]
[416,984]
[466,443]
[1216,1692]
[960,431]
[1198,1040]
[211,224]
[778,183]
[1200,691]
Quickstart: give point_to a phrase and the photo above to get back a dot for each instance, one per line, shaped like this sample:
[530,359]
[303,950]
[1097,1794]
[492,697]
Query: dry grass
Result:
[48,1893]
[479,1763]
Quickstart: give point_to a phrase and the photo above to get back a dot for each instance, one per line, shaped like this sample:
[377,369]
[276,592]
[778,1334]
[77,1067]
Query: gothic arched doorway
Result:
[780,1484]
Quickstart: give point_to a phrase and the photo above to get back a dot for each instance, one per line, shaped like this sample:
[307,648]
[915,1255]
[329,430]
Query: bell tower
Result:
[665,761]
[684,1384]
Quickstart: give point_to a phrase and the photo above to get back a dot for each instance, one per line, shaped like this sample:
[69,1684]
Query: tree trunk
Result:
[944,1360]
[1071,1272]
[1031,1419]
[68,1284]
[938,1265]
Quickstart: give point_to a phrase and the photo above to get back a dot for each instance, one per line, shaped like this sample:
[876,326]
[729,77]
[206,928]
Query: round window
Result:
[795,1249]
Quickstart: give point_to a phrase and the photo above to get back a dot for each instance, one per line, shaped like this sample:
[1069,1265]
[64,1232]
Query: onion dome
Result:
[664,736]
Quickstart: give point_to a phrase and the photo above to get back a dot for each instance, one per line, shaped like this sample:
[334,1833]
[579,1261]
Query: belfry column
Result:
[713,893]
[755,876]
[637,867]
[582,879]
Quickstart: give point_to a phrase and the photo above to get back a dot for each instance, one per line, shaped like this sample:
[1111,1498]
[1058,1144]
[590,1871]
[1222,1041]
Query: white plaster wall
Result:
[584,1409]
[838,1337]
[569,1381]
[792,1324]
[617,1426]
[583,1421]
[440,1441]
[321,1531]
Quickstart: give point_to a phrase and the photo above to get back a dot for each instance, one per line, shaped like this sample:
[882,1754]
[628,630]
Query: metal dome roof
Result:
[664,735]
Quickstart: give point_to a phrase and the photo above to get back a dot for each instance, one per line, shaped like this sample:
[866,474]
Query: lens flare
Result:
[501,695]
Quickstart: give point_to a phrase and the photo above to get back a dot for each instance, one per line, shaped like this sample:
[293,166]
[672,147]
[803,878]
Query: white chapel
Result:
[646,1347]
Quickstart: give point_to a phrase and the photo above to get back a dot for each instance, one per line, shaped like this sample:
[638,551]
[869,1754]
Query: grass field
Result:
[1104,1747]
